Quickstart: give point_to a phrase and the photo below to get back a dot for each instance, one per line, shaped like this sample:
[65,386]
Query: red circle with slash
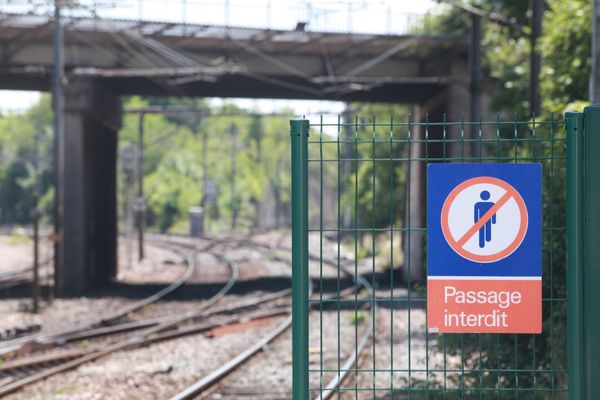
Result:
[458,245]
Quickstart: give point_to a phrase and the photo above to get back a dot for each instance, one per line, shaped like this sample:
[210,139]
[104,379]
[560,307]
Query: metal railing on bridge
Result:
[336,17]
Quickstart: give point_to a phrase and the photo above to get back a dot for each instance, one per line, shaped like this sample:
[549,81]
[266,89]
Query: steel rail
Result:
[20,276]
[140,324]
[184,330]
[193,390]
[147,336]
[208,381]
[8,275]
[334,383]
[157,332]
[165,291]
[220,373]
[331,388]
[32,340]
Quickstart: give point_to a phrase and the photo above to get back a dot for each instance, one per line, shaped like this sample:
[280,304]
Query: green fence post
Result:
[583,253]
[300,282]
[575,273]
[591,247]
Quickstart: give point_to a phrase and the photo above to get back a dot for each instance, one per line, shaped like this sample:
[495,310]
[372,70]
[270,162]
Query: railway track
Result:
[24,371]
[108,325]
[32,343]
[202,388]
[331,387]
[10,275]
[32,368]
[16,278]
[16,374]
[21,276]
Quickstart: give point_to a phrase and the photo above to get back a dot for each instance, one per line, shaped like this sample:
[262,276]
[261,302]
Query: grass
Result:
[358,318]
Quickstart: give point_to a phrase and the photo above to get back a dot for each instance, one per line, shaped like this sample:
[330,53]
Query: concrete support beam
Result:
[453,104]
[460,106]
[88,237]
[413,240]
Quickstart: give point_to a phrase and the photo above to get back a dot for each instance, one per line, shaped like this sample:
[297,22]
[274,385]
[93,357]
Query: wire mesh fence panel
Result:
[366,246]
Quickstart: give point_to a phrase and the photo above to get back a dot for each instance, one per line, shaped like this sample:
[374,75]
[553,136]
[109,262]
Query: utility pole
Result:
[184,16]
[475,72]
[595,74]
[195,123]
[257,134]
[35,291]
[59,139]
[140,201]
[35,215]
[128,169]
[535,59]
[346,167]
[205,199]
[277,194]
[233,174]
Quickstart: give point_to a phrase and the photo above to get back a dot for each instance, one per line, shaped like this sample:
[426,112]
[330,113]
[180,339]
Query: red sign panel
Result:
[486,306]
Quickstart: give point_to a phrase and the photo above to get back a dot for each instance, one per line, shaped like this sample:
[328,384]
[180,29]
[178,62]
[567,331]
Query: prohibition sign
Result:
[461,229]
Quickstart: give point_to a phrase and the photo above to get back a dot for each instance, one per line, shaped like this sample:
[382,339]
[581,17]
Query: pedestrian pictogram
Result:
[476,208]
[481,208]
[484,248]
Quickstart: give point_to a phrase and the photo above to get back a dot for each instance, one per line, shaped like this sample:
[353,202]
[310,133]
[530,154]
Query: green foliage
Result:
[20,134]
[566,50]
[447,21]
[173,172]
[173,168]
[18,236]
[359,318]
[564,47]
[375,179]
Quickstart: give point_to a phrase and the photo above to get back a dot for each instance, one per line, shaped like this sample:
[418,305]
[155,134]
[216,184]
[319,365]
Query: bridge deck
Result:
[166,58]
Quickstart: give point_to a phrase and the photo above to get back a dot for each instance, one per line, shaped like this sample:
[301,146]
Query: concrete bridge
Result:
[107,58]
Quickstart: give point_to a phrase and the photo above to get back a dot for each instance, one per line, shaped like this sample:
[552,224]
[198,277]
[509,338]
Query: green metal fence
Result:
[583,249]
[359,237]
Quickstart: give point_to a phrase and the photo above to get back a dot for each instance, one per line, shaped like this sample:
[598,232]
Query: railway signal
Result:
[210,192]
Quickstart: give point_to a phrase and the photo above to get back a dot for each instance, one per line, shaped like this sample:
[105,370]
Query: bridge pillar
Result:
[87,251]
[459,106]
[454,103]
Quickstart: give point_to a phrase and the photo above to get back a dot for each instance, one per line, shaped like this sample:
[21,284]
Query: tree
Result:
[23,137]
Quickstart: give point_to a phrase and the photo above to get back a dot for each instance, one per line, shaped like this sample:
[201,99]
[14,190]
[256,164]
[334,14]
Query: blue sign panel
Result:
[465,239]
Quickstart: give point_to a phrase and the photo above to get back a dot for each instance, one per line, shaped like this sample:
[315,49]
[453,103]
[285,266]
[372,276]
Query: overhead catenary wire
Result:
[165,54]
[130,50]
[170,54]
[153,52]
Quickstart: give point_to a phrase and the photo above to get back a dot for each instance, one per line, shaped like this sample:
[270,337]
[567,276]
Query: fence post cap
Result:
[572,114]
[591,107]
[299,126]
